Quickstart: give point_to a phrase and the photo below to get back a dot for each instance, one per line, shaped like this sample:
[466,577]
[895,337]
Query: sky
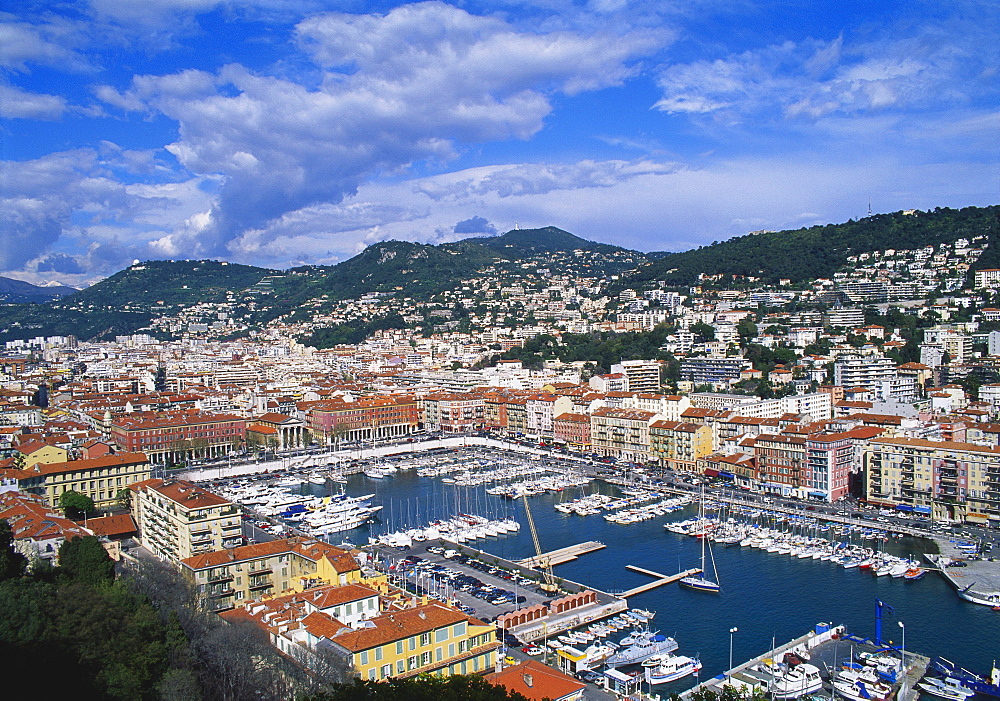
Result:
[286,132]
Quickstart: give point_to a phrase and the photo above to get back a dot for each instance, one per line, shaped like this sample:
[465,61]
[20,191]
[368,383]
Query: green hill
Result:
[818,251]
[129,299]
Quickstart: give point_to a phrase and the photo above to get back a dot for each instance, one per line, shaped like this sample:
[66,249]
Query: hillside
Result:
[421,270]
[818,251]
[128,300]
[20,292]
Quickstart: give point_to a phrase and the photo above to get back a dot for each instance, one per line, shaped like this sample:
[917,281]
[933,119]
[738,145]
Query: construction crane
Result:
[548,584]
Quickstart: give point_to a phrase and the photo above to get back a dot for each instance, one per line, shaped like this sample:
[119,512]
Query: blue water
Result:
[767,596]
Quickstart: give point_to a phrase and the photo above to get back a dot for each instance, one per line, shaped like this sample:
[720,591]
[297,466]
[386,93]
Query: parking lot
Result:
[484,589]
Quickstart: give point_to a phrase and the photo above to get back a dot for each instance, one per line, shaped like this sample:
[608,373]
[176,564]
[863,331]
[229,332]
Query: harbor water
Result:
[768,597]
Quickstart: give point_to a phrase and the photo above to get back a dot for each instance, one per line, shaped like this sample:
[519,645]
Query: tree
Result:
[75,505]
[85,560]
[747,330]
[703,331]
[423,688]
[12,563]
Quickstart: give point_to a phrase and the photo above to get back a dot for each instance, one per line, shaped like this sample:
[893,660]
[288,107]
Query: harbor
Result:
[767,595]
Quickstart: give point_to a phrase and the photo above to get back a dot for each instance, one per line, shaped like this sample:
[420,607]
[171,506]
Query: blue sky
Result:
[282,132]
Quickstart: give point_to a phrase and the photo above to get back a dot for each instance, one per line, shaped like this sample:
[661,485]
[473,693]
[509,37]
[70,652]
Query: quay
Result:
[820,647]
[562,555]
[661,579]
[977,581]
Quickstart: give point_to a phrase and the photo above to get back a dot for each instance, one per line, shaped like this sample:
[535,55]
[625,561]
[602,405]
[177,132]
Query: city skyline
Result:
[277,133]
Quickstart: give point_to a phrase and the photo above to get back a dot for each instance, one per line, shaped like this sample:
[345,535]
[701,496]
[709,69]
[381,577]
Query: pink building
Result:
[828,464]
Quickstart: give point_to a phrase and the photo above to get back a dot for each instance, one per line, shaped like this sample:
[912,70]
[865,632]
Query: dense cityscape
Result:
[189,442]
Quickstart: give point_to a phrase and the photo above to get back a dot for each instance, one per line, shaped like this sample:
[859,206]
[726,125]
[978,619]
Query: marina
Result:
[768,597]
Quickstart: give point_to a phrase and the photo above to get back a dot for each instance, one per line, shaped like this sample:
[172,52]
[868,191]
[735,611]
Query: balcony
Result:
[255,586]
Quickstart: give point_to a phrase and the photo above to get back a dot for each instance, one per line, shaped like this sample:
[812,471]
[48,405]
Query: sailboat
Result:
[701,582]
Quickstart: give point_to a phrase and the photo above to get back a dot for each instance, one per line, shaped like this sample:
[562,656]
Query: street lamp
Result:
[902,689]
[732,631]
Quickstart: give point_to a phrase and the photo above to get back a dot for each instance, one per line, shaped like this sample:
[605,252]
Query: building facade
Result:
[177,519]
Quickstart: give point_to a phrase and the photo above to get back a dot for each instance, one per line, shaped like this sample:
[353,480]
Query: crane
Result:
[548,584]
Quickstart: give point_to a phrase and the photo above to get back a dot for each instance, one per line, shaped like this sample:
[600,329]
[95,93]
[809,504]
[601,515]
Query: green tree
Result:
[423,688]
[12,563]
[85,560]
[75,505]
[703,331]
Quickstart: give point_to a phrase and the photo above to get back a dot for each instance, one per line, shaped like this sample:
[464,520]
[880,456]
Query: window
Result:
[440,635]
[386,671]
[413,643]
[399,647]
[364,657]
[458,629]
[400,666]
[378,654]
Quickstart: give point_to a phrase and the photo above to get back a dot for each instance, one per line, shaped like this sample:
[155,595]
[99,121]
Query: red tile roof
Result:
[536,681]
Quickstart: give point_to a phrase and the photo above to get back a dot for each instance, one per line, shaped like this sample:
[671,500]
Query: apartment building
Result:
[640,375]
[944,479]
[678,445]
[178,519]
[378,640]
[102,479]
[780,461]
[176,437]
[717,372]
[621,433]
[365,419]
[226,578]
[572,429]
[829,462]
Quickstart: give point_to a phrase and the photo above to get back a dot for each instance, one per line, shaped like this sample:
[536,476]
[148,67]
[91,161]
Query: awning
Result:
[821,495]
[709,472]
[922,509]
[904,507]
[727,475]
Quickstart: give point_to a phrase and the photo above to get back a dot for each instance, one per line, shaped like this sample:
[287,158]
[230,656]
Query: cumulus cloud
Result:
[474,225]
[398,88]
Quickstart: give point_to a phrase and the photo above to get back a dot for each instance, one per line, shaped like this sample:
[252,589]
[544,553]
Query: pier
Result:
[562,555]
[661,579]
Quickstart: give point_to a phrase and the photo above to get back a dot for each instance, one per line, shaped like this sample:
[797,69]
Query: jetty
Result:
[562,555]
[661,579]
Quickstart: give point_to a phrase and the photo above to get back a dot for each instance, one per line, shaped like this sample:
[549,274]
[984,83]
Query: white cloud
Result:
[538,178]
[422,80]
[20,104]
[810,79]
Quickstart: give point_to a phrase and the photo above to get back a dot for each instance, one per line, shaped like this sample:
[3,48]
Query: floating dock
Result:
[825,647]
[562,555]
[661,579]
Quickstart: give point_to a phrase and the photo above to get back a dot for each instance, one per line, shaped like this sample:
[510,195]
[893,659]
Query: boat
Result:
[983,685]
[669,668]
[948,688]
[647,645]
[795,681]
[863,691]
[701,582]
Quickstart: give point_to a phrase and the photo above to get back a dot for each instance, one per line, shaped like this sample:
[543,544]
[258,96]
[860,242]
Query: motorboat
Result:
[796,681]
[670,668]
[948,688]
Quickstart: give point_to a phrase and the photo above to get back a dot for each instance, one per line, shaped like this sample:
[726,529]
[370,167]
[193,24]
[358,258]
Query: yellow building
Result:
[376,638]
[678,445]
[226,578]
[177,519]
[621,433]
[40,453]
[102,479]
[945,479]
